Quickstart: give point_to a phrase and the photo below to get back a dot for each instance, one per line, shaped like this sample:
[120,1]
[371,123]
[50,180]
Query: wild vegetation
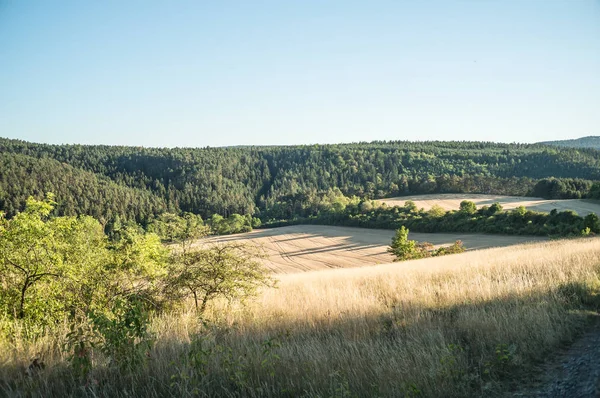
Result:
[137,184]
[405,249]
[468,218]
[464,325]
[451,201]
[104,292]
[58,272]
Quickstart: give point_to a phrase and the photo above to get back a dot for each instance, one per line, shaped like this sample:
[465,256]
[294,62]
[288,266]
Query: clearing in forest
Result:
[451,201]
[301,248]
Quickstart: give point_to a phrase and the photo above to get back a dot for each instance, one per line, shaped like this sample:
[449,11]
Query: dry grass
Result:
[452,201]
[461,325]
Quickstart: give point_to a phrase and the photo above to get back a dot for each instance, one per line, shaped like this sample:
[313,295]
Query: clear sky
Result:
[198,73]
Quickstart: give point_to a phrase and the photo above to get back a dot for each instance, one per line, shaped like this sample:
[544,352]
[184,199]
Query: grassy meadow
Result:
[461,325]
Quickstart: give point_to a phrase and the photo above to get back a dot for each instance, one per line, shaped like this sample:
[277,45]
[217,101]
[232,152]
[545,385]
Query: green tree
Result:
[402,247]
[592,222]
[184,230]
[410,206]
[468,207]
[138,265]
[82,285]
[29,254]
[519,211]
[231,271]
[436,211]
[495,208]
[219,225]
[170,227]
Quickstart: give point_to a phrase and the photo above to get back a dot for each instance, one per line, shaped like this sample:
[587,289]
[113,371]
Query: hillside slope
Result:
[592,141]
[77,191]
[301,248]
[249,179]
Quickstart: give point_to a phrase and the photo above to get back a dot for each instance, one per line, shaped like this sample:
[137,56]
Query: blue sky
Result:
[202,73]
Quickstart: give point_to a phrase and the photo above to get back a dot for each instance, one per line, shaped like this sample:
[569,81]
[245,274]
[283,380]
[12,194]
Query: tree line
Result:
[493,219]
[137,184]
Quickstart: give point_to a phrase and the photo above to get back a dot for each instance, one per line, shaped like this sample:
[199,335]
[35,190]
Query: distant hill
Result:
[584,142]
[280,182]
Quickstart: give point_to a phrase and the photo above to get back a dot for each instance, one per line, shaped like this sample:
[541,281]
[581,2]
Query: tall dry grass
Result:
[462,325]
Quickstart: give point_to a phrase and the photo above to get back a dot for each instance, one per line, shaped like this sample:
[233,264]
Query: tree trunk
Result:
[21,314]
[195,299]
[203,306]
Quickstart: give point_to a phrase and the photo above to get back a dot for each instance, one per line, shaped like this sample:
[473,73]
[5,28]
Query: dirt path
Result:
[574,372]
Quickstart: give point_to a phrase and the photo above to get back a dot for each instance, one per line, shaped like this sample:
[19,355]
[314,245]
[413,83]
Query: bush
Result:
[405,249]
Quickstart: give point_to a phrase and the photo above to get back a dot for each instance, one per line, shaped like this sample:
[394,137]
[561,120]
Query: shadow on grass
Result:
[402,349]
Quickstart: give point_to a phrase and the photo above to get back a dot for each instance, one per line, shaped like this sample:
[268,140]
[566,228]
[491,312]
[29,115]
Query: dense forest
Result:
[137,184]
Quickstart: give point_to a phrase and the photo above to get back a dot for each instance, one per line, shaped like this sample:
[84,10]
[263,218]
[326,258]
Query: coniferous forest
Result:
[118,184]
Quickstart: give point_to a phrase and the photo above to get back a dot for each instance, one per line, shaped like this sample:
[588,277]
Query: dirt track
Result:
[452,202]
[573,372]
[311,247]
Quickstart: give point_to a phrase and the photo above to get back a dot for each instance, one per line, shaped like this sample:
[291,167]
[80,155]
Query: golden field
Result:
[301,248]
[451,201]
[461,325]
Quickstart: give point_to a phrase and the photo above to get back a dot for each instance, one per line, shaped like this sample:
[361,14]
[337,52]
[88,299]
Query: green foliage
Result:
[173,228]
[410,206]
[406,249]
[455,248]
[583,142]
[29,255]
[501,363]
[339,387]
[80,192]
[120,332]
[183,230]
[233,224]
[494,208]
[139,258]
[55,268]
[436,211]
[519,211]
[592,222]
[594,191]
[123,334]
[230,271]
[282,183]
[199,354]
[493,220]
[80,342]
[565,188]
[50,267]
[402,247]
[411,390]
[468,207]
[451,363]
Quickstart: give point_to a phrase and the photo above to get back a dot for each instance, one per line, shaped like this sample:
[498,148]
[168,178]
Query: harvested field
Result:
[452,201]
[312,247]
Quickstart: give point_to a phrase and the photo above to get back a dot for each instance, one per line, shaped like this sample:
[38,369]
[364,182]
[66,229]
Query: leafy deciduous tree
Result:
[229,271]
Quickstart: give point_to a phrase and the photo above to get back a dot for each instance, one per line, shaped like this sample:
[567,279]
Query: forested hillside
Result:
[583,142]
[78,191]
[137,183]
